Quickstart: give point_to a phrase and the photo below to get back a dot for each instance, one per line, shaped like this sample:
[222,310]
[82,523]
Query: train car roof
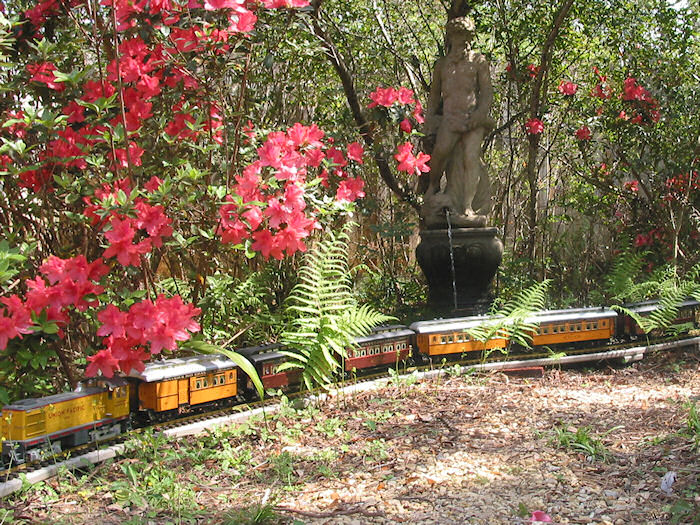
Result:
[183,367]
[266,356]
[457,323]
[250,351]
[395,332]
[574,314]
[648,306]
[546,316]
[82,391]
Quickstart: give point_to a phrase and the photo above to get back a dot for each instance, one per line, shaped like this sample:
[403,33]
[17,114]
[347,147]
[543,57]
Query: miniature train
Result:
[102,408]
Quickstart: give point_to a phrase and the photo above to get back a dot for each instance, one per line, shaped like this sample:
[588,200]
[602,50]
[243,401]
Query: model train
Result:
[101,408]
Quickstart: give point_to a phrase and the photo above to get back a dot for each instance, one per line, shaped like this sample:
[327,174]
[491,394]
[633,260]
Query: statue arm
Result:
[434,99]
[480,116]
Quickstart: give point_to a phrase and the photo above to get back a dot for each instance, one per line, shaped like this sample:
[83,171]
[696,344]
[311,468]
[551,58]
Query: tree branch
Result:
[364,127]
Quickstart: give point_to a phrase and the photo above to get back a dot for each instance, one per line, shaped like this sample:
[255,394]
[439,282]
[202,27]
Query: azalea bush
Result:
[126,158]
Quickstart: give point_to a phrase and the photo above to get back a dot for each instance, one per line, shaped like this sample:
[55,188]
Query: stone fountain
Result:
[458,253]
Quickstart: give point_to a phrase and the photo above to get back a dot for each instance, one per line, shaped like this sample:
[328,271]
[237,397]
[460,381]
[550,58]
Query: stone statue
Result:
[459,263]
[457,117]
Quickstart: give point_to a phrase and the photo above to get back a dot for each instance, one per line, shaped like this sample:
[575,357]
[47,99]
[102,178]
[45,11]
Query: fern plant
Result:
[516,321]
[672,291]
[323,316]
[621,281]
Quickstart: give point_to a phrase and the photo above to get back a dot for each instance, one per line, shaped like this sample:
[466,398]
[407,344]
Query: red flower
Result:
[405,96]
[350,190]
[534,126]
[113,322]
[410,163]
[418,113]
[632,186]
[383,97]
[567,88]
[153,184]
[102,361]
[583,133]
[355,152]
[44,73]
[406,126]
[533,70]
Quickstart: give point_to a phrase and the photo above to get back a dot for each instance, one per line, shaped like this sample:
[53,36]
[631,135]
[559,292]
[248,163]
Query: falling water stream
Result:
[452,256]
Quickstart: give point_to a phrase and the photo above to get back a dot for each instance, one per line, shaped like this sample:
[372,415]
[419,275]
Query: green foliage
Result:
[235,308]
[9,260]
[581,439]
[693,425]
[516,320]
[626,269]
[242,362]
[258,514]
[672,291]
[324,316]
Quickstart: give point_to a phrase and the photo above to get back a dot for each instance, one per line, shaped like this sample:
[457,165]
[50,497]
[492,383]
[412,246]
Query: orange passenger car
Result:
[178,384]
[554,328]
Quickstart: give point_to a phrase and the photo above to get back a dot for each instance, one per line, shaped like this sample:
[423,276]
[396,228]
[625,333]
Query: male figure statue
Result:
[458,116]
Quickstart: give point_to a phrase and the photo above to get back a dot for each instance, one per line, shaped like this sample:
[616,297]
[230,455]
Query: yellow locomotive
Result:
[33,428]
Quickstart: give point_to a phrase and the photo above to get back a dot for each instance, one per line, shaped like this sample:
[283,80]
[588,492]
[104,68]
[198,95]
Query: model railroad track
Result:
[493,362]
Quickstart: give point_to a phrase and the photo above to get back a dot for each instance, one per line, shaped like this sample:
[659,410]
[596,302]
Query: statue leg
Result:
[444,146]
[474,168]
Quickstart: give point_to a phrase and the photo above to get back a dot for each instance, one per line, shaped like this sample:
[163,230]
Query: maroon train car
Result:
[688,312]
[383,347]
[266,359]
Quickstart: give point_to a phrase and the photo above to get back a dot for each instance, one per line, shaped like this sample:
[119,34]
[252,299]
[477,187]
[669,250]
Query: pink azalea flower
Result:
[583,133]
[534,126]
[540,516]
[355,152]
[567,88]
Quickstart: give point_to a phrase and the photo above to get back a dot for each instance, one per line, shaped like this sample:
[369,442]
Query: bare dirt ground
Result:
[462,449]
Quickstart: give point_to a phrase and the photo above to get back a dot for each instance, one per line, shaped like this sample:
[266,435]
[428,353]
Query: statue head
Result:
[462,26]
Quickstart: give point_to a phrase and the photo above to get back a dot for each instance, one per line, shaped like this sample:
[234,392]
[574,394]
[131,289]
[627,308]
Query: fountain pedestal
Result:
[477,254]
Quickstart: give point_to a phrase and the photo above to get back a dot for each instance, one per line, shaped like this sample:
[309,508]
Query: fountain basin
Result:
[477,254]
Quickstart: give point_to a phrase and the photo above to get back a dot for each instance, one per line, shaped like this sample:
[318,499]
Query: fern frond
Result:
[516,320]
[621,280]
[323,316]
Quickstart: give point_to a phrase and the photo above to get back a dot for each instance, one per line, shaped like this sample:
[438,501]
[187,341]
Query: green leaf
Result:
[237,358]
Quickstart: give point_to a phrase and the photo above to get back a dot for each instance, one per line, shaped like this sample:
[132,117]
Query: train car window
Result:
[442,340]
[595,325]
[205,383]
[603,323]
[109,394]
[215,381]
[198,384]
[545,330]
[555,329]
[449,339]
[435,339]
